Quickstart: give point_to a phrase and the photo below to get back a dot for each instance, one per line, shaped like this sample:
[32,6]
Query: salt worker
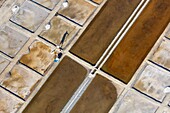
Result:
[58,56]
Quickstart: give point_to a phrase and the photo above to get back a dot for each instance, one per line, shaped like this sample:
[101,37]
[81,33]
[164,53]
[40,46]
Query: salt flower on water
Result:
[47,26]
[167,89]
[65,4]
[15,9]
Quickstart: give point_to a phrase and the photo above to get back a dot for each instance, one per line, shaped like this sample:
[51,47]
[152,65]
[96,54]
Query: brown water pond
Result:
[132,50]
[103,29]
[59,88]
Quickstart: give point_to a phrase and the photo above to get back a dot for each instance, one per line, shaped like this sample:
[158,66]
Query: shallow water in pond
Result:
[103,29]
[132,50]
[58,89]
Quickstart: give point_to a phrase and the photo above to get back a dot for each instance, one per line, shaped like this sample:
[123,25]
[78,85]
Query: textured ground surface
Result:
[153,82]
[30,16]
[39,57]
[3,63]
[78,11]
[21,81]
[8,103]
[2,2]
[135,103]
[47,3]
[161,56]
[58,29]
[11,41]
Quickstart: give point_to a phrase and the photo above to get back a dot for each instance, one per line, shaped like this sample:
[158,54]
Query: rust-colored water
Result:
[98,98]
[103,29]
[132,50]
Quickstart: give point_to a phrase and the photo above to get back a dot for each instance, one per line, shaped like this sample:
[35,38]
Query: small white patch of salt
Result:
[15,9]
[91,75]
[65,4]
[167,90]
[47,26]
